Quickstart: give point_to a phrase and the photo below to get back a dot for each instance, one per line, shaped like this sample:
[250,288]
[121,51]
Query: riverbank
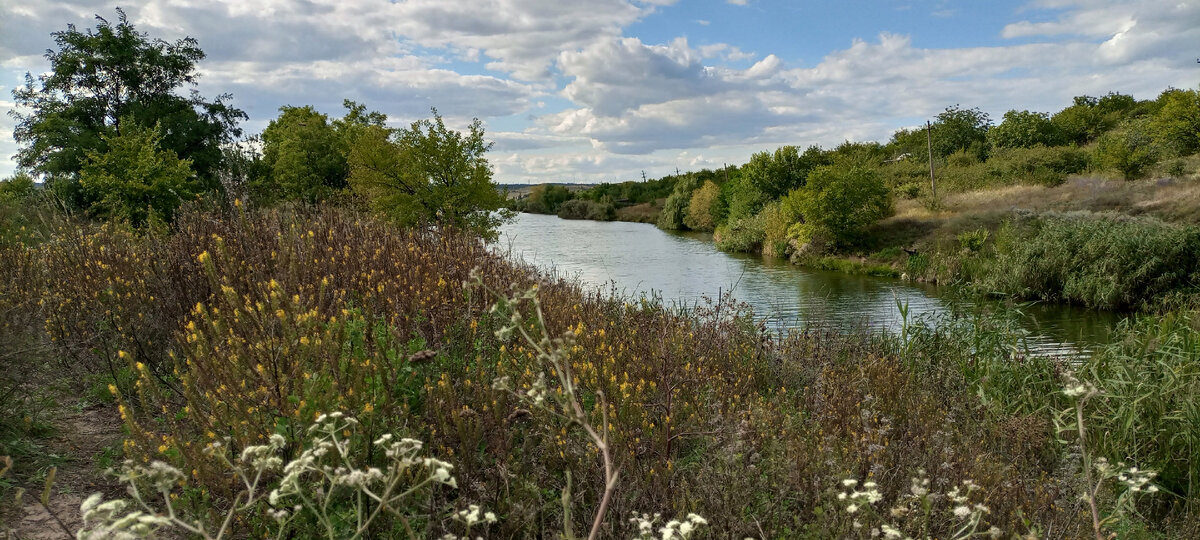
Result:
[808,434]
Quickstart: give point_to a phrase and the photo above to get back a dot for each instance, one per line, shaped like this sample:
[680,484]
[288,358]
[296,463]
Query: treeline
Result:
[815,205]
[110,135]
[782,200]
[598,203]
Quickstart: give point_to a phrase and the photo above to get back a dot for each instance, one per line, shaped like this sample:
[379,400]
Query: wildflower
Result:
[962,511]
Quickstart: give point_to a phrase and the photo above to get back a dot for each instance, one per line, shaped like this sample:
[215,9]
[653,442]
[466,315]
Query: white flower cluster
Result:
[676,529]
[1135,479]
[856,499]
[474,515]
[109,520]
[309,483]
[1077,389]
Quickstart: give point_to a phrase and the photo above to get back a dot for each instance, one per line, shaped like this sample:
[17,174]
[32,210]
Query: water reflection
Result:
[640,259]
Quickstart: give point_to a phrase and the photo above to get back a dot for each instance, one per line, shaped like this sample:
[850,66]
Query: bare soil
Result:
[81,433]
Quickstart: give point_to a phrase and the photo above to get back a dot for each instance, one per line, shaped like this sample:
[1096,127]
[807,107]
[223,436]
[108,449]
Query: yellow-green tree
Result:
[699,215]
[428,174]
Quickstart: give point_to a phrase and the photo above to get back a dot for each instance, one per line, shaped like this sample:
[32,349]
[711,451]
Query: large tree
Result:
[428,174]
[103,79]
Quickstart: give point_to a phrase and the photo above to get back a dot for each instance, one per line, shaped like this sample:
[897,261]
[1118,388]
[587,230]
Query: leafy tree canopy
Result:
[1025,129]
[1176,126]
[102,80]
[428,174]
[840,201]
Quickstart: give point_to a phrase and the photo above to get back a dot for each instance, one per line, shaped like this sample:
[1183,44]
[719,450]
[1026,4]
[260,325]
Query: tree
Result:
[774,175]
[110,77]
[428,174]
[676,206]
[305,157]
[958,129]
[1025,129]
[700,215]
[17,188]
[841,201]
[136,180]
[1177,124]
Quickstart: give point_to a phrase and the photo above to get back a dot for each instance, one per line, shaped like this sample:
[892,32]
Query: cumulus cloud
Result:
[619,104]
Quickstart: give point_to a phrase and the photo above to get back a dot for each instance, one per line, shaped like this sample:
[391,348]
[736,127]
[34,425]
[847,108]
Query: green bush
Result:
[1100,260]
[841,201]
[1129,150]
[585,209]
[744,235]
[1042,165]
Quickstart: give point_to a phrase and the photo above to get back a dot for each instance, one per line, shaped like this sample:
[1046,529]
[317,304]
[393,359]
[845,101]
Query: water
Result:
[639,259]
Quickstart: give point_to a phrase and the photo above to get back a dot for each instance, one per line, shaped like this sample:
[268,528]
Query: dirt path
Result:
[80,435]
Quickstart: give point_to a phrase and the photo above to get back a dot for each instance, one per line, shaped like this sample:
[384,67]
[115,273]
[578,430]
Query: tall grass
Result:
[252,324]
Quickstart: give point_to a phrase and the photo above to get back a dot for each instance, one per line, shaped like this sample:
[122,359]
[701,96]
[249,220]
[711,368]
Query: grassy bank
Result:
[245,328]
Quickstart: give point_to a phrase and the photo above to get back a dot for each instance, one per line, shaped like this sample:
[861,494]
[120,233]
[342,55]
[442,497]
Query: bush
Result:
[1039,165]
[1098,260]
[744,235]
[1128,150]
[842,201]
[585,209]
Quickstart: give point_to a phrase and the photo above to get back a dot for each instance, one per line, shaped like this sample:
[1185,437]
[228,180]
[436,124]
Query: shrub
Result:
[1099,260]
[1128,150]
[585,209]
[744,235]
[842,201]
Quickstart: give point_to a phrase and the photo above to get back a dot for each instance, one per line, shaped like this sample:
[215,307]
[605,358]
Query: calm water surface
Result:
[639,259]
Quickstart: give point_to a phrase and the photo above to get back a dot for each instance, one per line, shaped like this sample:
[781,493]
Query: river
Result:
[640,259]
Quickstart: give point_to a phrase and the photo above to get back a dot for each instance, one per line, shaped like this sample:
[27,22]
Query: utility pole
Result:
[929,142]
[725,169]
[643,175]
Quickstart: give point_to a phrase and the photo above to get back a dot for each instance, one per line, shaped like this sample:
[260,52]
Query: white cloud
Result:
[618,104]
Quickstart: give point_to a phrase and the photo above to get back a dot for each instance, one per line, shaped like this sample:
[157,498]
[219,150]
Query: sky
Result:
[602,90]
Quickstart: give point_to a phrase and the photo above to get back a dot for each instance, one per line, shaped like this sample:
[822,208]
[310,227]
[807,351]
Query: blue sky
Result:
[600,90]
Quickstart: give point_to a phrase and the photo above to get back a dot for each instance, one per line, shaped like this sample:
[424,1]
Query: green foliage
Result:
[744,235]
[701,212]
[1129,150]
[584,209]
[774,175]
[1040,165]
[107,79]
[135,180]
[428,174]
[1097,260]
[1024,129]
[1089,117]
[17,188]
[1149,378]
[676,207]
[842,201]
[955,129]
[544,199]
[973,241]
[305,155]
[1176,126]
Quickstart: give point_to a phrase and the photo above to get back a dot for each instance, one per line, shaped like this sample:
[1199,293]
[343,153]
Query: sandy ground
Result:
[80,434]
